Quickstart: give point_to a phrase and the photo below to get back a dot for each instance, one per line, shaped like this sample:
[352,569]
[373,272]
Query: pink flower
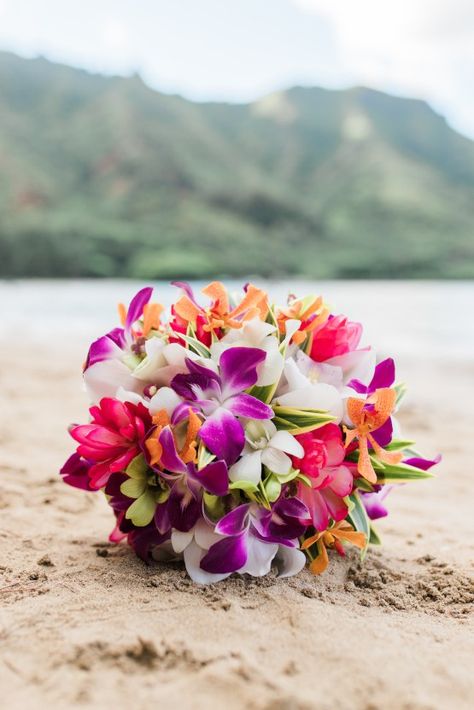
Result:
[112,439]
[337,336]
[322,463]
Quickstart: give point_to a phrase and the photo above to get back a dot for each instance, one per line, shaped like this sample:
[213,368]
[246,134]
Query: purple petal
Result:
[182,412]
[234,522]
[196,369]
[118,501]
[213,477]
[358,386]
[238,367]
[227,555]
[373,503]
[169,457]
[103,348]
[183,508]
[383,435]
[384,375]
[135,309]
[224,435]
[195,386]
[424,464]
[117,335]
[75,472]
[143,539]
[244,405]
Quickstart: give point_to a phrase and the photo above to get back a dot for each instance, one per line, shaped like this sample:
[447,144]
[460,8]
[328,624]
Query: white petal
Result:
[291,327]
[193,555]
[204,534]
[271,369]
[166,399]
[153,361]
[359,364]
[180,540]
[320,396]
[294,377]
[103,379]
[286,442]
[247,468]
[276,460]
[124,395]
[260,556]
[289,560]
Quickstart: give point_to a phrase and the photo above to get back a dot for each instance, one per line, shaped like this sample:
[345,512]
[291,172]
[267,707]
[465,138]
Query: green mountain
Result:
[102,176]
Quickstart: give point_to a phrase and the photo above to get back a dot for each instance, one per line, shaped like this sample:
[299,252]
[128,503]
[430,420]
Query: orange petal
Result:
[186,309]
[122,311]
[355,538]
[155,450]
[320,563]
[355,410]
[391,457]
[151,317]
[216,291]
[384,402]
[188,452]
[254,299]
[364,465]
[311,540]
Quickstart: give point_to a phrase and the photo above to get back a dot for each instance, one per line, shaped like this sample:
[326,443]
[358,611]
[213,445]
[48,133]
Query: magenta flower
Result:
[253,535]
[112,439]
[113,344]
[75,472]
[220,399]
[331,480]
[183,507]
[337,336]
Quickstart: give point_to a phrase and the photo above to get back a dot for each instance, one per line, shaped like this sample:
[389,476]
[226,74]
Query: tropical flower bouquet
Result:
[237,434]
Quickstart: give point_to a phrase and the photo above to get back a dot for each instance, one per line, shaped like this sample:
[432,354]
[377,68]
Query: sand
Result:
[86,624]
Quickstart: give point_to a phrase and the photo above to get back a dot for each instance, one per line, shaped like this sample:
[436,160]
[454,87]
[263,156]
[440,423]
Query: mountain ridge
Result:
[104,176]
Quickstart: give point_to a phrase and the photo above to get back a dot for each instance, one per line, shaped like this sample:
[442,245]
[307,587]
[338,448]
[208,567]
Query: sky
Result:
[239,50]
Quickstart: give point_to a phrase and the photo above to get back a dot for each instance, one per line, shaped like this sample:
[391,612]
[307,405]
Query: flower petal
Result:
[259,557]
[289,561]
[224,435]
[192,558]
[234,522]
[244,405]
[247,468]
[227,555]
[238,367]
[275,460]
[286,442]
[169,457]
[135,309]
[214,477]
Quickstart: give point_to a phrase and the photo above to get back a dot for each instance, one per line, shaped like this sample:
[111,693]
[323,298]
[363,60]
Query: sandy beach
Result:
[86,624]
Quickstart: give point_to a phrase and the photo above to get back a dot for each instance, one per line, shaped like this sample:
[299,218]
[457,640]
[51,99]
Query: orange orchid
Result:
[219,314]
[151,316]
[366,421]
[332,538]
[187,452]
[311,316]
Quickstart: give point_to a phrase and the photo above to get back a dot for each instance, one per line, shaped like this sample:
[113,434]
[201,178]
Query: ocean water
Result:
[406,319]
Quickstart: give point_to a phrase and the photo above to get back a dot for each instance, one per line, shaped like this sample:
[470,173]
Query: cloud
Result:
[419,47]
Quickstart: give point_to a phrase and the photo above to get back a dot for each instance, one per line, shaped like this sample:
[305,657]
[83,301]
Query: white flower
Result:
[192,546]
[265,446]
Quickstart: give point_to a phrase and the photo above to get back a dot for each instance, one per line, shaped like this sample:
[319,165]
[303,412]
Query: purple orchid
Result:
[373,502]
[384,376]
[220,399]
[113,344]
[249,525]
[183,507]
[423,464]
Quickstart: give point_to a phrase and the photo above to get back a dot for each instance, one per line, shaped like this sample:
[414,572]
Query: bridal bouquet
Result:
[236,434]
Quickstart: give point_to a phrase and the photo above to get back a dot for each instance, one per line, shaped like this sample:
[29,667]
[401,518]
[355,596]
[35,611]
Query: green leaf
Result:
[374,538]
[359,519]
[142,510]
[137,468]
[399,445]
[204,456]
[133,487]
[246,486]
[286,477]
[400,389]
[304,479]
[272,488]
[196,346]
[398,473]
[364,485]
[299,421]
[264,393]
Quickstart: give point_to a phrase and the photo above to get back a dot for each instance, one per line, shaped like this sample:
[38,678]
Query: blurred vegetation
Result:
[105,177]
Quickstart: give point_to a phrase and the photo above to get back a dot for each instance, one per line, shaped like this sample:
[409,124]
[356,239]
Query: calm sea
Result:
[407,319]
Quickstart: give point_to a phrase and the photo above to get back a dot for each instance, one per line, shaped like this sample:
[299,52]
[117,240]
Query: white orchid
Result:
[265,446]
